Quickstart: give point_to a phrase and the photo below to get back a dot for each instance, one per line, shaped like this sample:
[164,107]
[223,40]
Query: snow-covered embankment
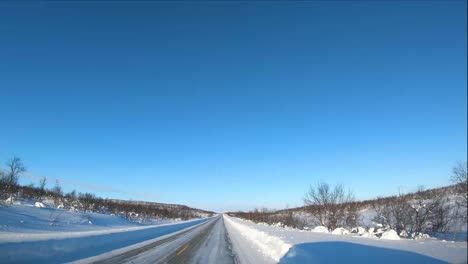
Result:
[260,243]
[62,247]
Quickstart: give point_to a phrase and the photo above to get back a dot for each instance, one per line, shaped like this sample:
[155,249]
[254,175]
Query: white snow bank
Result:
[340,231]
[39,204]
[271,246]
[367,234]
[320,229]
[60,247]
[417,236]
[390,235]
[314,247]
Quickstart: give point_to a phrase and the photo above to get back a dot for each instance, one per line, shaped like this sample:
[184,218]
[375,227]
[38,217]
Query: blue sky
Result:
[231,105]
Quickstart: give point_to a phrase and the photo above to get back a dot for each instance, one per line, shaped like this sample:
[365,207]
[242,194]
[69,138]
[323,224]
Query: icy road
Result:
[204,243]
[198,241]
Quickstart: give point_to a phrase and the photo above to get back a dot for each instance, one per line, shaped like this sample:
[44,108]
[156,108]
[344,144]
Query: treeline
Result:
[86,202]
[431,211]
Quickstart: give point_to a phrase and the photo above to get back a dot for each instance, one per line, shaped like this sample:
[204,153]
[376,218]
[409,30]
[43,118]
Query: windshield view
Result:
[233,131]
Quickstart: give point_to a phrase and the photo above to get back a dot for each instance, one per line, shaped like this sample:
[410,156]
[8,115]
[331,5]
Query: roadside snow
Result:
[320,229]
[340,231]
[30,233]
[390,235]
[308,247]
[37,218]
[39,204]
[269,246]
[71,246]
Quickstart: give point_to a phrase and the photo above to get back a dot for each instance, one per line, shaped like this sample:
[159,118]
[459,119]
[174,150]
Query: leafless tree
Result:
[394,212]
[10,178]
[423,205]
[42,190]
[459,178]
[57,193]
[425,211]
[87,200]
[442,215]
[328,204]
[3,188]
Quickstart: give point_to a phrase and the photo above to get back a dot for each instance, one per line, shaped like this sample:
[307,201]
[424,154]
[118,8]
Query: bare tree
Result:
[460,179]
[3,185]
[328,205]
[42,190]
[442,216]
[87,200]
[420,212]
[10,178]
[57,193]
[399,212]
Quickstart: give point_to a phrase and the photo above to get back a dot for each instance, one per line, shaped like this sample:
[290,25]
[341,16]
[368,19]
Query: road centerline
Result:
[182,250]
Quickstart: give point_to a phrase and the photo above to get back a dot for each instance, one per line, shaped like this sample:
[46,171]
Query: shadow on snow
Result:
[343,252]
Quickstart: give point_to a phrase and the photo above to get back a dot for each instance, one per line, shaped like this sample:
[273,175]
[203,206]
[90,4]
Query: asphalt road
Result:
[205,243]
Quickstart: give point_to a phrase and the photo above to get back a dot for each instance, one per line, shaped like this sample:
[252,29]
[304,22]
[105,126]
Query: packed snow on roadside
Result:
[257,243]
[340,231]
[320,229]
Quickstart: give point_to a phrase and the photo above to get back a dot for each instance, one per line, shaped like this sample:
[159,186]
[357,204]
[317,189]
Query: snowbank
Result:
[34,234]
[320,229]
[390,235]
[315,247]
[340,231]
[271,246]
[39,204]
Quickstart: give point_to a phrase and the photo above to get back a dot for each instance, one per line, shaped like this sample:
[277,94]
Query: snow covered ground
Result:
[36,234]
[26,218]
[257,243]
[30,233]
[29,216]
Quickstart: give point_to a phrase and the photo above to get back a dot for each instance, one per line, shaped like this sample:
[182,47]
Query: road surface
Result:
[204,243]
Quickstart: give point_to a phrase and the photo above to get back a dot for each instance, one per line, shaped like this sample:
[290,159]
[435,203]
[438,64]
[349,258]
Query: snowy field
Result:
[26,218]
[258,243]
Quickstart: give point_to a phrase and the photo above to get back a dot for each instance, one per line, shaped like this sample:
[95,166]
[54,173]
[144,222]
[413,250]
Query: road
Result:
[204,243]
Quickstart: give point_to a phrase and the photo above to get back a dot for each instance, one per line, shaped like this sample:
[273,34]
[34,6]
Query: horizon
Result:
[234,105]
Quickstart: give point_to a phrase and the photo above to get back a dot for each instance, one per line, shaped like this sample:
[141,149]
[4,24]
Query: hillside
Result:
[135,211]
[435,212]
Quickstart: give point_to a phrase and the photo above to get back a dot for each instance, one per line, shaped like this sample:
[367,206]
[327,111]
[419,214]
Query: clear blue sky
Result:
[232,105]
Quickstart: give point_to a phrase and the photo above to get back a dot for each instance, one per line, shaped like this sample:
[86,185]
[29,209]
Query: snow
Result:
[320,229]
[340,231]
[70,246]
[418,236]
[367,234]
[359,230]
[39,204]
[390,235]
[35,217]
[246,239]
[265,244]
[37,234]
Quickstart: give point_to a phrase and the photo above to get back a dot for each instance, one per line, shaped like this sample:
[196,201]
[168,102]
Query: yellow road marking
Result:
[182,250]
